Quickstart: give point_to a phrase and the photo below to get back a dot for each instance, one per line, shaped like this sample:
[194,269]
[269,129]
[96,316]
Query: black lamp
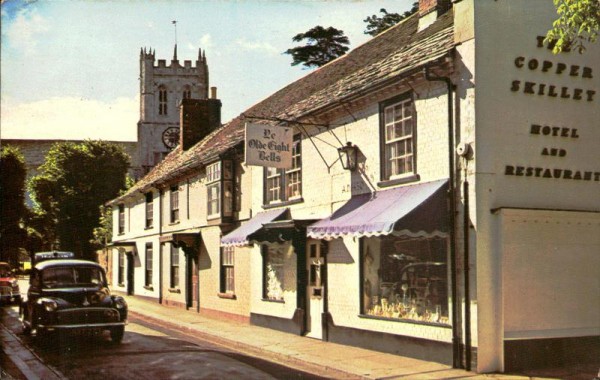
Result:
[348,156]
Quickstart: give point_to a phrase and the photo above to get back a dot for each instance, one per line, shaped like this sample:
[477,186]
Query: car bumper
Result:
[82,327]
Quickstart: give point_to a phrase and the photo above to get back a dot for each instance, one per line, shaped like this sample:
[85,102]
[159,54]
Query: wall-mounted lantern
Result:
[348,156]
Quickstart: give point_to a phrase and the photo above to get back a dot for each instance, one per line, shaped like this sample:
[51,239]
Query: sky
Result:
[70,68]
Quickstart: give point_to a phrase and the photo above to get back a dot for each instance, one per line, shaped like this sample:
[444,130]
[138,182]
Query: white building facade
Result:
[441,201]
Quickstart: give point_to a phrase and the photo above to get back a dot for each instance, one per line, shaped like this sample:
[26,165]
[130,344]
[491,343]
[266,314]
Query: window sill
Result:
[149,287]
[174,290]
[148,227]
[285,203]
[404,320]
[270,300]
[121,234]
[120,284]
[399,181]
[229,296]
[213,217]
[174,223]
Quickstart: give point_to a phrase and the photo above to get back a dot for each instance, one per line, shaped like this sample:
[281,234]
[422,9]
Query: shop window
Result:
[121,269]
[227,270]
[162,100]
[398,142]
[121,219]
[149,210]
[405,279]
[285,184]
[149,259]
[174,204]
[273,272]
[174,273]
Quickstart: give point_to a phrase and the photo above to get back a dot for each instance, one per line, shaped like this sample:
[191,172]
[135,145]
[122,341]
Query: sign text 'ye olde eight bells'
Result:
[268,145]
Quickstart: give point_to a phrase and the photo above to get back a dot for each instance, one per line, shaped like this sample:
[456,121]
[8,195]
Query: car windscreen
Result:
[57,277]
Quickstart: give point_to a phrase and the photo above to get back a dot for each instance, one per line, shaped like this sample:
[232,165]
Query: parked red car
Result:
[9,286]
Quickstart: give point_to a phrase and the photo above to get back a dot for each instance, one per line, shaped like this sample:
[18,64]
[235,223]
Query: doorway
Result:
[130,274]
[315,292]
[191,280]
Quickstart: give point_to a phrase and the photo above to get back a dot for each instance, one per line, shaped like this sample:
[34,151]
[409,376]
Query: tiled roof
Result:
[386,56]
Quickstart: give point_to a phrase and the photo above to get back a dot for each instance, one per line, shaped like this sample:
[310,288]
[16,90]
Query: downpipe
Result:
[456,341]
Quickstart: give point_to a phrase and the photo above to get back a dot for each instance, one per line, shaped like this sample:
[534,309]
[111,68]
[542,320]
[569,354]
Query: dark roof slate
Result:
[388,55]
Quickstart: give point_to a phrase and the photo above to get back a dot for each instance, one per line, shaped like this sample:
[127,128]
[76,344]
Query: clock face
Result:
[170,137]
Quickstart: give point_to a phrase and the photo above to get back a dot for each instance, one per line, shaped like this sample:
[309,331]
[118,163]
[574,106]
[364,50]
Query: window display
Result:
[273,261]
[405,279]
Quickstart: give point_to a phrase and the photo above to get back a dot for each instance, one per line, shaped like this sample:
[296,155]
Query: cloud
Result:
[257,46]
[23,31]
[70,118]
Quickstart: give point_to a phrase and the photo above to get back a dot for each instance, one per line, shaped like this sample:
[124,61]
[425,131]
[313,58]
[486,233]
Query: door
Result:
[130,273]
[314,292]
[191,280]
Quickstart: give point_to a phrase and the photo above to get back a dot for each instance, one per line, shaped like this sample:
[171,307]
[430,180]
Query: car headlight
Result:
[49,305]
[120,303]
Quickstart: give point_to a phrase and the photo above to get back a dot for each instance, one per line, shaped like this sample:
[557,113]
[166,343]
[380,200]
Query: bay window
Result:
[220,188]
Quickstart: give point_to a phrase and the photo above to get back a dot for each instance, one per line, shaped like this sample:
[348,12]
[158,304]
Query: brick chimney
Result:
[198,118]
[430,10]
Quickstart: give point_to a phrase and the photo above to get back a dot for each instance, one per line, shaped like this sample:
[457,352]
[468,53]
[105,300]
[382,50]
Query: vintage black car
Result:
[72,296]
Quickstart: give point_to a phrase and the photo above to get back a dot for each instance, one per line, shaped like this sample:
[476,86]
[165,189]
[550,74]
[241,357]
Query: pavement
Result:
[326,359]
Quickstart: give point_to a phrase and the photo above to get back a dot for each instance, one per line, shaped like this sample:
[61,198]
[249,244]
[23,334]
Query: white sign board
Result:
[269,146]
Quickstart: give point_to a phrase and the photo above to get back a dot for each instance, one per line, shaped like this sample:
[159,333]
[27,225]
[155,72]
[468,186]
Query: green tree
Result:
[377,24]
[578,23]
[323,45]
[13,212]
[75,180]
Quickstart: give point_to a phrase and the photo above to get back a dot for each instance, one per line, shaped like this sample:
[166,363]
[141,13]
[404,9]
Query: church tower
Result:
[162,88]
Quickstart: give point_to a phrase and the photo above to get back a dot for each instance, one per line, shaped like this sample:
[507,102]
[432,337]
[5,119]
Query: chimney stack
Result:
[198,118]
[430,10]
[213,92]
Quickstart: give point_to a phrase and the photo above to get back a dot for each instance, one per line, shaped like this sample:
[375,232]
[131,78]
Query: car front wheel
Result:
[116,334]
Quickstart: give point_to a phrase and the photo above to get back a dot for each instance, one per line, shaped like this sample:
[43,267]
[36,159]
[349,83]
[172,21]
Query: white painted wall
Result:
[505,31]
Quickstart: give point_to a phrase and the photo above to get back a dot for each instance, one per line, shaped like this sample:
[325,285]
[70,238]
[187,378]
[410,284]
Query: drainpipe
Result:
[466,226]
[325,316]
[160,246]
[456,343]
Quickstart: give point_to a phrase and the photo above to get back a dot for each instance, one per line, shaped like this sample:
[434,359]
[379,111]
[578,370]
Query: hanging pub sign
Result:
[268,145]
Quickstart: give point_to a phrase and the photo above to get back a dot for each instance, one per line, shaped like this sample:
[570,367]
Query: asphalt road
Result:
[147,352]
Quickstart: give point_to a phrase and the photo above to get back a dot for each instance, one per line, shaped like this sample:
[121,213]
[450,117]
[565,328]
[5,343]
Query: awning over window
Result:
[413,211]
[187,239]
[127,246]
[240,236]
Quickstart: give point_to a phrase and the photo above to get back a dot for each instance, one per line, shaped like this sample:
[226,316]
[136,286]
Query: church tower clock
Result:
[162,87]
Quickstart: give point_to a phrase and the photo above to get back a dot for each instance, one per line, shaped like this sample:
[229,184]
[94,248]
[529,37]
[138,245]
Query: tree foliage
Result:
[377,24]
[323,45]
[74,181]
[13,212]
[578,23]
